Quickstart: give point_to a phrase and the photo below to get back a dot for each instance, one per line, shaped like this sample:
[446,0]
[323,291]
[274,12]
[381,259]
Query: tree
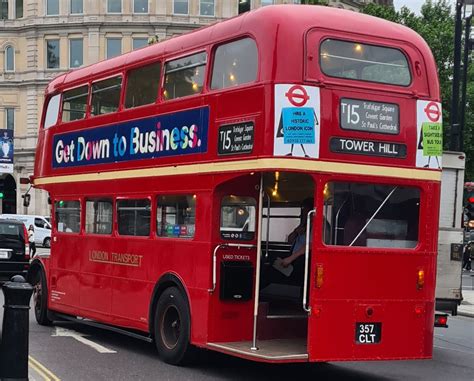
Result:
[436,25]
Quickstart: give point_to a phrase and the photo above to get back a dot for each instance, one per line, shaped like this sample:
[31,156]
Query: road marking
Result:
[455,350]
[42,370]
[63,332]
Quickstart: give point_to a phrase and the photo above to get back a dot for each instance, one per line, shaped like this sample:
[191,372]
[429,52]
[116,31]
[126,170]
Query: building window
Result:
[142,85]
[76,7]
[52,111]
[176,216]
[140,6]
[180,7]
[99,216]
[10,118]
[68,216]
[4,10]
[19,9]
[185,76]
[134,217]
[235,63]
[52,54]
[139,43]
[76,50]
[266,2]
[106,96]
[114,6]
[75,104]
[206,8]
[9,59]
[52,7]
[114,47]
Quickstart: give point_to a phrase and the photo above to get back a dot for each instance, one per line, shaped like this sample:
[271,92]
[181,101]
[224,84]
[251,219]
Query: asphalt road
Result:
[70,351]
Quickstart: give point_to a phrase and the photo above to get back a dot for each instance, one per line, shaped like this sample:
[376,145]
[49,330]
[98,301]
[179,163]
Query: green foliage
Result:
[436,25]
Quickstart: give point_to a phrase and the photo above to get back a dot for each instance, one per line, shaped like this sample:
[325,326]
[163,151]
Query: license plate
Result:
[368,333]
[4,254]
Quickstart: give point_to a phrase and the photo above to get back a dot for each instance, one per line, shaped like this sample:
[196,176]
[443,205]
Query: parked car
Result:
[14,249]
[41,224]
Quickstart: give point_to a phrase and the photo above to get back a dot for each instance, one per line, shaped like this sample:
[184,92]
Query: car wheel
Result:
[47,242]
[40,298]
[172,327]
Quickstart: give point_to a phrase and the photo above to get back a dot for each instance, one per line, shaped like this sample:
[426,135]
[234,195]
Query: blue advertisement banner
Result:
[174,134]
[298,125]
[6,144]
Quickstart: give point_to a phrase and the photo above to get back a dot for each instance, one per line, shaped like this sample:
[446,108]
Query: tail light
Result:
[27,243]
[441,320]
[420,279]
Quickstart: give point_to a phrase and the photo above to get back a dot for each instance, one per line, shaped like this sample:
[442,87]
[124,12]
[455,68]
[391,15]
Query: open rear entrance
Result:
[276,313]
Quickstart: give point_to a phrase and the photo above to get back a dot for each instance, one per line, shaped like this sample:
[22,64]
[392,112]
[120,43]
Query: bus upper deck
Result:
[360,87]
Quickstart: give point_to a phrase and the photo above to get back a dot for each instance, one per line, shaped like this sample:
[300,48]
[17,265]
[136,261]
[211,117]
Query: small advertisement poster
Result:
[429,136]
[297,115]
[6,155]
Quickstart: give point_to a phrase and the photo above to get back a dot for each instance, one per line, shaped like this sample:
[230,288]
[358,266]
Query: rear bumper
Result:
[448,305]
[9,269]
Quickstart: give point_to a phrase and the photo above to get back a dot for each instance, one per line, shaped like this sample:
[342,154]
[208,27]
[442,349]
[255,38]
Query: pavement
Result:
[467,305]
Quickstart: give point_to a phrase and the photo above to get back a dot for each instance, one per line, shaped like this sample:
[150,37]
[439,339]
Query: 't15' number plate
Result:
[368,333]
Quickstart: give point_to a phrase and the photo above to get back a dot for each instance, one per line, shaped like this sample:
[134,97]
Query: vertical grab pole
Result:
[306,260]
[257,269]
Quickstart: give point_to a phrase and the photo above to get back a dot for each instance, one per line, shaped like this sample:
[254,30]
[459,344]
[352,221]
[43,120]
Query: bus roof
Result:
[262,23]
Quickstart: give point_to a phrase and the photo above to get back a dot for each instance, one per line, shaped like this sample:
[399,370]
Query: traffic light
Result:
[1,195]
[244,6]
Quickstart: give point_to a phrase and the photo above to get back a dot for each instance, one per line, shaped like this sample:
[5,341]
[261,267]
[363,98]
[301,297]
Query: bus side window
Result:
[142,85]
[235,63]
[52,112]
[68,216]
[133,217]
[106,96]
[99,216]
[75,104]
[184,76]
[238,218]
[176,216]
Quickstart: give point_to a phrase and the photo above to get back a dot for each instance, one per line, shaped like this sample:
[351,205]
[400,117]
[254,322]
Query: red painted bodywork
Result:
[287,38]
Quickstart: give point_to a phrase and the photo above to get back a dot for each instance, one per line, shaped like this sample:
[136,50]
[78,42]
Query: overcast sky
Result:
[414,5]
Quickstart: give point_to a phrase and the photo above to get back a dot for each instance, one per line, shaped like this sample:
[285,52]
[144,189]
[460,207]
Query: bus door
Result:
[368,272]
[234,258]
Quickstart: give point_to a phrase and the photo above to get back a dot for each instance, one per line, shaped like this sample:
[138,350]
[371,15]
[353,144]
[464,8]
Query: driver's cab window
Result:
[238,218]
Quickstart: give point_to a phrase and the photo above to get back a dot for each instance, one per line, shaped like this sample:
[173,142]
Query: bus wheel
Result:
[40,295]
[172,327]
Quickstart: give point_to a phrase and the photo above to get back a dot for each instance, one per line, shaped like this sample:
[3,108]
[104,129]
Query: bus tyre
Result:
[172,327]
[47,242]
[40,298]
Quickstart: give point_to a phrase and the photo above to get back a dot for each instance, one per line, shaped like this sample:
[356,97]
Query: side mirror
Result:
[26,200]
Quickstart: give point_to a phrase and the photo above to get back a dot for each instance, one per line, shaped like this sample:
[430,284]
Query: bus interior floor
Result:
[271,350]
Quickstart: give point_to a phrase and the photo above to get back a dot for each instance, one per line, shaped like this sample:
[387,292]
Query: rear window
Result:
[363,62]
[11,230]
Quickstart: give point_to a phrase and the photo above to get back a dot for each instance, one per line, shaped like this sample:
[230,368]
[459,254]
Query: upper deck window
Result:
[185,76]
[52,111]
[235,63]
[142,85]
[75,104]
[352,60]
[106,96]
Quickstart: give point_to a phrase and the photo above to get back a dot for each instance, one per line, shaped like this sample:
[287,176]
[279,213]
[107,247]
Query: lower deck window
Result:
[99,216]
[68,216]
[371,215]
[133,217]
[238,217]
[176,216]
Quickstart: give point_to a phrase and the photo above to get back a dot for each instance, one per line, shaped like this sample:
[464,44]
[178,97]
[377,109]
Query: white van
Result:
[41,224]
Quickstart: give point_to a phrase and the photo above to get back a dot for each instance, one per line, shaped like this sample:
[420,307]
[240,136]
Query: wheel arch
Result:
[166,281]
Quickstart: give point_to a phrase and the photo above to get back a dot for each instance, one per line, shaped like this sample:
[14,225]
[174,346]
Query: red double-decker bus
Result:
[267,187]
